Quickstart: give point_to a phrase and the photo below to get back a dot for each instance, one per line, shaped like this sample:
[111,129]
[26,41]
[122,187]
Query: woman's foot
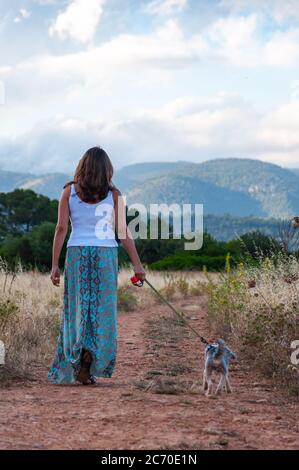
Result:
[91,381]
[83,375]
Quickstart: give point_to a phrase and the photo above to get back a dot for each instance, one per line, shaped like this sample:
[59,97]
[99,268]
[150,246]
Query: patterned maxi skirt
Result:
[89,314]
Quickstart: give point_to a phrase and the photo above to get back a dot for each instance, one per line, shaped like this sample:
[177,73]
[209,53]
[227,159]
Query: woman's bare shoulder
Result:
[116,196]
[116,191]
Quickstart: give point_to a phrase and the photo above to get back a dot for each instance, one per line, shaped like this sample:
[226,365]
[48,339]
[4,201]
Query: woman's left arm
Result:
[60,234]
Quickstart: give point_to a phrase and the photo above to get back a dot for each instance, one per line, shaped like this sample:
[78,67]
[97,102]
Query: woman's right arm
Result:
[60,234]
[125,235]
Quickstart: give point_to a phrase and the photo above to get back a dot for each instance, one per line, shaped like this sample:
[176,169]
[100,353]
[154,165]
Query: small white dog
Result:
[217,358]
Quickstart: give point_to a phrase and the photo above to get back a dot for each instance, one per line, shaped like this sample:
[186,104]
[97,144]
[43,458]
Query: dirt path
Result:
[116,414]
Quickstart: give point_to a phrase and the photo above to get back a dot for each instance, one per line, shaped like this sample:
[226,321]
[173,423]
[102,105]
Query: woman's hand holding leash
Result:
[139,274]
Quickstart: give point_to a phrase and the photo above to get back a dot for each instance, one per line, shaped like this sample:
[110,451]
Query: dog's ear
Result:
[295,222]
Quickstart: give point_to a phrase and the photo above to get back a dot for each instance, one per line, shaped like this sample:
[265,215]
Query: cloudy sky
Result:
[161,80]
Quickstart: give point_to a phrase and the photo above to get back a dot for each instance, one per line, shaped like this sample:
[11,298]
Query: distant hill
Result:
[240,187]
[181,189]
[130,175]
[227,227]
[48,184]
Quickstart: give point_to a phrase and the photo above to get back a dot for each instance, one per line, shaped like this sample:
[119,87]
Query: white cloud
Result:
[233,39]
[280,11]
[94,80]
[144,59]
[147,58]
[237,40]
[23,14]
[279,130]
[132,66]
[53,145]
[79,21]
[135,59]
[189,128]
[165,7]
[282,48]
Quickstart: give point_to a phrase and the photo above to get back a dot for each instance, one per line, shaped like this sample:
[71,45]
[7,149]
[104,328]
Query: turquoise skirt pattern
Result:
[89,314]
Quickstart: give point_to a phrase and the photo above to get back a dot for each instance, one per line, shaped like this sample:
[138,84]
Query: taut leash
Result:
[136,282]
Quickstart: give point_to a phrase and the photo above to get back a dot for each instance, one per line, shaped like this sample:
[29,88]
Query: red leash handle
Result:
[136,282]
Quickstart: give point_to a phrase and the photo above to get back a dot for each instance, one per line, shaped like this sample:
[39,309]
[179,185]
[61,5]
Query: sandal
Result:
[83,375]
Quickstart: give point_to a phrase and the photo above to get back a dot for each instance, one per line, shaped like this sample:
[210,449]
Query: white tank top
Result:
[92,224]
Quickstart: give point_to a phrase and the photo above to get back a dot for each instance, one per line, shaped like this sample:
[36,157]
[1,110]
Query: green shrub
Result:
[168,290]
[56,326]
[183,286]
[7,310]
[198,288]
[126,300]
[184,262]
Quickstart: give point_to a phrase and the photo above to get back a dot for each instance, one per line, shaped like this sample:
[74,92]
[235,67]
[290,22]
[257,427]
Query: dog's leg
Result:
[228,385]
[219,387]
[209,384]
[209,390]
[221,384]
[204,381]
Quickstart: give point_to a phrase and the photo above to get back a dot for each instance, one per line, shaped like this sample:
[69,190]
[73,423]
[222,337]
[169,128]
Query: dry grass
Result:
[126,299]
[172,285]
[160,278]
[257,308]
[30,309]
[29,320]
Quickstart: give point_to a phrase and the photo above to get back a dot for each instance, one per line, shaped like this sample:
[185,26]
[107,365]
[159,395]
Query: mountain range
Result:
[239,187]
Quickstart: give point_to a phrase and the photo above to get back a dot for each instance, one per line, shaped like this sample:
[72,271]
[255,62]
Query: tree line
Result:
[27,226]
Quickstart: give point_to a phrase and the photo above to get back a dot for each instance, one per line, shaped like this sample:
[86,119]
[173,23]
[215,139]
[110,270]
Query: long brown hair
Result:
[93,175]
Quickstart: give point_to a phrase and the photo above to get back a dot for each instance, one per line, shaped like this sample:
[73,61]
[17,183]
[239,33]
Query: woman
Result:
[87,343]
